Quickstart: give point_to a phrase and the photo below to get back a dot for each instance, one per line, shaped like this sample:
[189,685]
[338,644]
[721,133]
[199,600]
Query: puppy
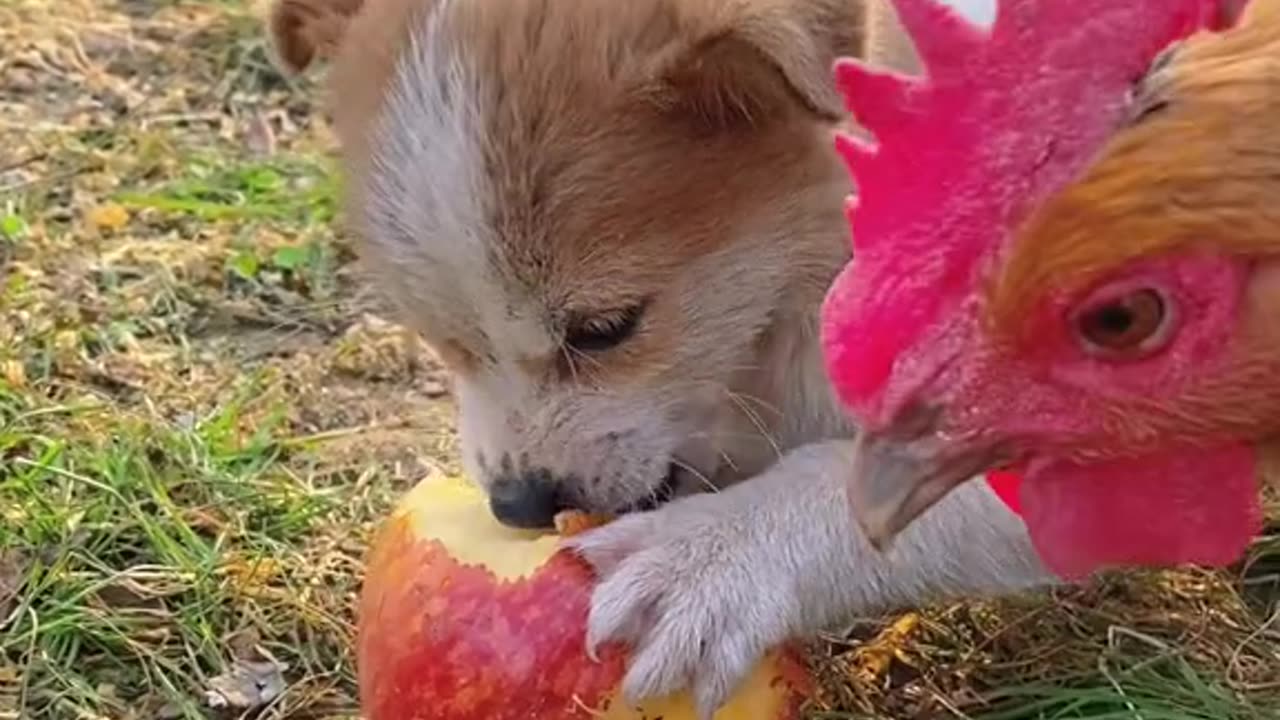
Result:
[615,222]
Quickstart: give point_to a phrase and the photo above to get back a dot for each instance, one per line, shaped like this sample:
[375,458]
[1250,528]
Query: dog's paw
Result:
[693,591]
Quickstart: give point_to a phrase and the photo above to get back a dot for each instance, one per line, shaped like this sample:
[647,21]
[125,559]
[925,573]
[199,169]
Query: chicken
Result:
[1068,272]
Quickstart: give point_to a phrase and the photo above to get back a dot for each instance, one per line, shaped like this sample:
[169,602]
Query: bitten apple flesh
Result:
[464,619]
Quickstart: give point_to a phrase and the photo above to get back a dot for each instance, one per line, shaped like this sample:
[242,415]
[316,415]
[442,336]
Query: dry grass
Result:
[201,420]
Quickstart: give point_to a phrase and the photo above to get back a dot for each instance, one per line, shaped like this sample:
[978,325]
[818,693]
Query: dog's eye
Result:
[603,331]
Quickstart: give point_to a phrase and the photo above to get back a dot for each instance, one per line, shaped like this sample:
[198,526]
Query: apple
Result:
[462,618]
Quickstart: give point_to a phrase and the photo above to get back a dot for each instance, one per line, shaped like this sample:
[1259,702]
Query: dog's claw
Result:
[681,586]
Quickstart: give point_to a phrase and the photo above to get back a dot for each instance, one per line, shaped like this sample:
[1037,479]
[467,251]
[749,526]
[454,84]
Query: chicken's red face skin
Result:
[1098,425]
[1091,389]
[1048,388]
[1084,421]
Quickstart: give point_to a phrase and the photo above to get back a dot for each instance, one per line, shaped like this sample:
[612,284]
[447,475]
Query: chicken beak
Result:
[896,480]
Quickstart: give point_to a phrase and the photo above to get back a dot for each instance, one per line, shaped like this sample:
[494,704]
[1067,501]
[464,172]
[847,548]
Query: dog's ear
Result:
[304,31]
[756,61]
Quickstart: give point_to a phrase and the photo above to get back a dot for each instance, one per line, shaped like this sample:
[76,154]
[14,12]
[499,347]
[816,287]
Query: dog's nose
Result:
[529,500]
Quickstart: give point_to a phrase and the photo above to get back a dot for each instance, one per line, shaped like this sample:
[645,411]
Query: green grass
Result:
[295,190]
[1168,690]
[142,545]
[1122,688]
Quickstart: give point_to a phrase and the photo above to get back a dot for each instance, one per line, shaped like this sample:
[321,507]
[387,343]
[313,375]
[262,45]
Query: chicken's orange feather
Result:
[1201,168]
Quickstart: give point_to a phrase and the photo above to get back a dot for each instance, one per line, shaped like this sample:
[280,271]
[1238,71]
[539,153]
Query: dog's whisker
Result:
[718,435]
[567,353]
[696,473]
[728,460]
[585,356]
[765,404]
[577,373]
[757,422]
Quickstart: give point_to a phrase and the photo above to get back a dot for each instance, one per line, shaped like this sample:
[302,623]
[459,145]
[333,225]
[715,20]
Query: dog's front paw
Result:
[692,590]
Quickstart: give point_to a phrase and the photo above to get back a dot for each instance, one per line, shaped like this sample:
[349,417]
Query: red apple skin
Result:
[443,639]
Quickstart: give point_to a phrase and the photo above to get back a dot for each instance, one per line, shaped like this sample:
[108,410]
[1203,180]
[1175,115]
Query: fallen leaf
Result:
[259,136]
[14,373]
[207,519]
[12,226]
[66,340]
[244,644]
[13,571]
[870,661]
[247,685]
[154,706]
[248,574]
[434,387]
[108,217]
[292,257]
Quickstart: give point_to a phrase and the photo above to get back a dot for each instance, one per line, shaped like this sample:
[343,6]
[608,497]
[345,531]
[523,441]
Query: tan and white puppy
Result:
[615,221]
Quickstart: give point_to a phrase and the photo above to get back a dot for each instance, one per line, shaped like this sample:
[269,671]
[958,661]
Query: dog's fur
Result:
[532,179]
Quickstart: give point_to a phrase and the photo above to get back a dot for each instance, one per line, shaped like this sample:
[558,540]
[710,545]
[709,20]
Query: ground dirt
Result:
[204,413]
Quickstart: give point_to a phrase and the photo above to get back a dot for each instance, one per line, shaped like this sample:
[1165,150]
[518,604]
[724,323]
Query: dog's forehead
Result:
[463,197]
[487,154]
[516,172]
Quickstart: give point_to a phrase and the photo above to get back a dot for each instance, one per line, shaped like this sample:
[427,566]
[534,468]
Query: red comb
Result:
[1001,118]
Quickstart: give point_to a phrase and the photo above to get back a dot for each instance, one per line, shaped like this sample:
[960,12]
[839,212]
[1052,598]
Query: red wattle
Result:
[1007,486]
[1195,505]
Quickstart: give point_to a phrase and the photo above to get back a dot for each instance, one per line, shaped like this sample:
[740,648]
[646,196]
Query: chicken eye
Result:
[1137,320]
